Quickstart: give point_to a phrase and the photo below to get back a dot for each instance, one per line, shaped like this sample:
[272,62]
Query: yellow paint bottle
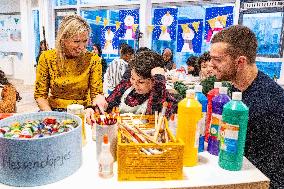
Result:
[189,114]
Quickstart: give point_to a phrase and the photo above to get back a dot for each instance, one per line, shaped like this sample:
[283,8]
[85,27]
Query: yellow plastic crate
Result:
[136,165]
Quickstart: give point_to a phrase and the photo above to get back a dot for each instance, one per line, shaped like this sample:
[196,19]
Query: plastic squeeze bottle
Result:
[201,124]
[210,95]
[218,103]
[233,133]
[189,114]
[105,160]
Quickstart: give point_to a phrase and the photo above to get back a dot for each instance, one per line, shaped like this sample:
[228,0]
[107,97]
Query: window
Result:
[36,32]
[59,14]
[272,69]
[186,35]
[267,28]
[65,2]
[110,28]
[103,1]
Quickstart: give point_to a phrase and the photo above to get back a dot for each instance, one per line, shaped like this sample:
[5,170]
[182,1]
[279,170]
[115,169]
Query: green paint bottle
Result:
[233,133]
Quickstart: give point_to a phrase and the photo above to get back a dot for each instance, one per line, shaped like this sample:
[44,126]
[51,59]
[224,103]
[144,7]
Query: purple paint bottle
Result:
[218,103]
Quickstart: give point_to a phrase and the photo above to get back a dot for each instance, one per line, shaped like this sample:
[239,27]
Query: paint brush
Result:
[163,113]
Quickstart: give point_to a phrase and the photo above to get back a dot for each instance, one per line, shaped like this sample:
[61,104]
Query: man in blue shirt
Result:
[233,54]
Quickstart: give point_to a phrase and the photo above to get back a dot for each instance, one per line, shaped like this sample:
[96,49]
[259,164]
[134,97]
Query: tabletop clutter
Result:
[146,143]
[146,147]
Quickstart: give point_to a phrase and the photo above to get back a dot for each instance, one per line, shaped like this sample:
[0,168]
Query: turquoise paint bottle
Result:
[201,124]
[233,133]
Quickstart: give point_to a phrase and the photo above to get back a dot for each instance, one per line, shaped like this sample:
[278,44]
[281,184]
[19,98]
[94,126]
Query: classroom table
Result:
[207,174]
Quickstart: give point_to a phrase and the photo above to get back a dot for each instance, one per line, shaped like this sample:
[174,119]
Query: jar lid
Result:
[75,109]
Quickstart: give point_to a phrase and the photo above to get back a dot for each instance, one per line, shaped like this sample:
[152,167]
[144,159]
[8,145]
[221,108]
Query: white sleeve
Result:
[108,79]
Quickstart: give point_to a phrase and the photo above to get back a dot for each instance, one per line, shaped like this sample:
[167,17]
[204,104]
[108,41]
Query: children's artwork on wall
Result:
[189,37]
[109,40]
[267,28]
[10,32]
[165,22]
[10,27]
[95,20]
[216,19]
[129,20]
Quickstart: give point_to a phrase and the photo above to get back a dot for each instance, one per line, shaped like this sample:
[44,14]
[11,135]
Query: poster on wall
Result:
[10,27]
[267,28]
[10,33]
[189,37]
[165,22]
[95,18]
[128,23]
[109,40]
[216,19]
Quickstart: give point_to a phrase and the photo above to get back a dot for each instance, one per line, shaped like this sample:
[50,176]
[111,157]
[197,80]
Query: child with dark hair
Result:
[144,92]
[141,49]
[206,68]
[9,95]
[121,46]
[192,66]
[98,50]
[168,59]
[127,73]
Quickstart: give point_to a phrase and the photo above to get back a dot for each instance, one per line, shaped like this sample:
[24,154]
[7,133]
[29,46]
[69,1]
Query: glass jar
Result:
[77,109]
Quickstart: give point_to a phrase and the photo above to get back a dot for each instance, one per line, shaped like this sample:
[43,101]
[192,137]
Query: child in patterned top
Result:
[143,93]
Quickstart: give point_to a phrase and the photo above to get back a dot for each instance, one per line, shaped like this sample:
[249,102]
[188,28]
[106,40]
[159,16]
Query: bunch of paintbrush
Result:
[107,119]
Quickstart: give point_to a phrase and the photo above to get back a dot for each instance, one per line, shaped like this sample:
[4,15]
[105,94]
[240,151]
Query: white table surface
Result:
[206,173]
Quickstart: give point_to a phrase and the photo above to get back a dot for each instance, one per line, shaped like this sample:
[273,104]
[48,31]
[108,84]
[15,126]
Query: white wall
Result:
[8,6]
[21,69]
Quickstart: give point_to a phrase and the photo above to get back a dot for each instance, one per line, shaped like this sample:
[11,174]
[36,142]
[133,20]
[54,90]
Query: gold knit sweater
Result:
[75,81]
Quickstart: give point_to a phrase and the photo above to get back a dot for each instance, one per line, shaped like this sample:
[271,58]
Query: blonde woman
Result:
[69,73]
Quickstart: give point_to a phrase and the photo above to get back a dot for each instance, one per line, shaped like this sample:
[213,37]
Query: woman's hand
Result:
[90,117]
[43,104]
[99,102]
[157,70]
